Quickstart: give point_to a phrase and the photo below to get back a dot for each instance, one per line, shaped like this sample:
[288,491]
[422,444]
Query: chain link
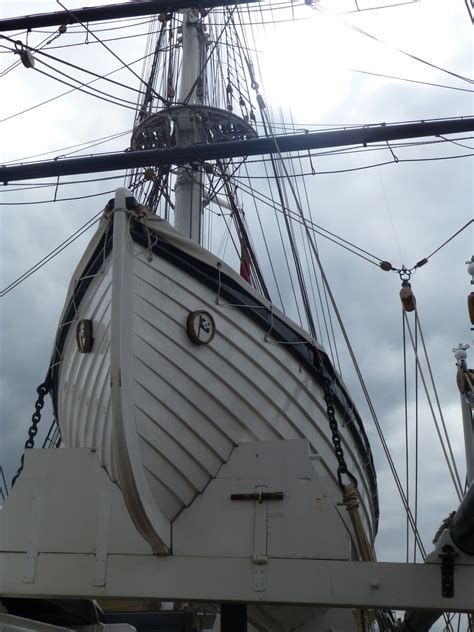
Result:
[336,437]
[42,390]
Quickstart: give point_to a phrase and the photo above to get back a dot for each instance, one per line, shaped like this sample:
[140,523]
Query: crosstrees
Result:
[232,149]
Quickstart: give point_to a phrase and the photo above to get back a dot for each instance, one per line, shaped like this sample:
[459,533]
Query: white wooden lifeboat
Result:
[166,359]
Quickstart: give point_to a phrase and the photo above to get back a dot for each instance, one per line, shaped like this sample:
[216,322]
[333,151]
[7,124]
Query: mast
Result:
[189,128]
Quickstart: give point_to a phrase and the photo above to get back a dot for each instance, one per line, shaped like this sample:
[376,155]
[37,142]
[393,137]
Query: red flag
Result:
[244,263]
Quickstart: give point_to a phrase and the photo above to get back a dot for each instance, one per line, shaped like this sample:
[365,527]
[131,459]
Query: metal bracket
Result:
[260,529]
[447,570]
[32,553]
[260,557]
[102,538]
[259,496]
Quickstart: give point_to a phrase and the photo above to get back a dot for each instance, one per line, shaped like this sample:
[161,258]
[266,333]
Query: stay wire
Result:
[81,69]
[125,65]
[279,164]
[82,84]
[416,433]
[62,246]
[92,43]
[17,63]
[81,89]
[273,205]
[45,42]
[438,404]
[309,263]
[132,22]
[357,149]
[33,107]
[373,413]
[417,81]
[85,145]
[425,259]
[39,264]
[28,186]
[70,199]
[313,263]
[454,142]
[314,227]
[74,29]
[267,250]
[376,8]
[405,410]
[362,382]
[451,238]
[399,50]
[448,453]
[365,167]
[331,336]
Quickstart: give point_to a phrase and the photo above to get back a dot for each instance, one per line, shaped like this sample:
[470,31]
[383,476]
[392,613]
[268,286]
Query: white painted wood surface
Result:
[164,414]
[72,484]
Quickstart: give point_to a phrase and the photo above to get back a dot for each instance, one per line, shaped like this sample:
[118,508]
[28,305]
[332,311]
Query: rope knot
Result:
[350,497]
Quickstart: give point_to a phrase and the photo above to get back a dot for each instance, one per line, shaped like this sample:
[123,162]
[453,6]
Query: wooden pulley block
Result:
[470,306]
[408,299]
[461,380]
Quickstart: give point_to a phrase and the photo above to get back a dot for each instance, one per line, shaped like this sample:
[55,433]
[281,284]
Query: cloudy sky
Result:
[401,211]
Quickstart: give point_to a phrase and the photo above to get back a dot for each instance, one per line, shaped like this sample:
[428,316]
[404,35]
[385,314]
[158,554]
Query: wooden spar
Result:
[110,12]
[181,155]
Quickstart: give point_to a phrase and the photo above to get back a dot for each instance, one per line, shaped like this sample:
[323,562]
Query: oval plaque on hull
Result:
[201,327]
[84,337]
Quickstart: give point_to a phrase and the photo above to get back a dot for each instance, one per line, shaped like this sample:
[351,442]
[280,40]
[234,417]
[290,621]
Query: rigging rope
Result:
[124,64]
[447,452]
[85,145]
[399,50]
[51,255]
[372,411]
[64,93]
[117,100]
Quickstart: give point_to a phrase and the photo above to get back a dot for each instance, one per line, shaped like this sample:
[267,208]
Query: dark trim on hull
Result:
[314,360]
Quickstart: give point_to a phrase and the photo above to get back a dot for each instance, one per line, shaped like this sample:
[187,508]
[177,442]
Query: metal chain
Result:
[42,390]
[336,438]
